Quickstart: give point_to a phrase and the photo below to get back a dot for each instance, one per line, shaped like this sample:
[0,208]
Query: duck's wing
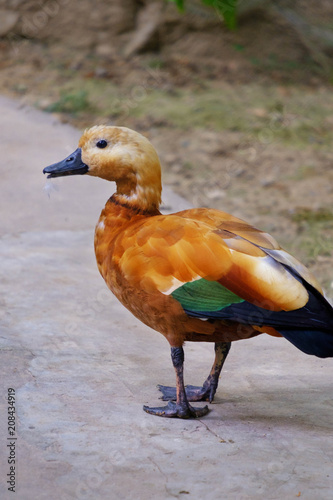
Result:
[241,236]
[167,252]
[222,268]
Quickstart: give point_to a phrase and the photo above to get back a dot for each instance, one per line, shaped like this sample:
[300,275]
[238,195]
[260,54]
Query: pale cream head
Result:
[122,155]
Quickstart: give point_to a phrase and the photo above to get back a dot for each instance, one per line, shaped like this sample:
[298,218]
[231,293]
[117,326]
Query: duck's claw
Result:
[193,393]
[174,410]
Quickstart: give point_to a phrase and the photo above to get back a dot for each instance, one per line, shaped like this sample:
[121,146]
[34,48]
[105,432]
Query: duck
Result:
[198,275]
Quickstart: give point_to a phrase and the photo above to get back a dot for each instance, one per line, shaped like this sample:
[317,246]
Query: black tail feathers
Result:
[316,342]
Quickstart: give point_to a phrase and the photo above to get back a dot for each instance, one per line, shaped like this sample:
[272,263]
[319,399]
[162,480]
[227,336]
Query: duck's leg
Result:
[208,390]
[181,407]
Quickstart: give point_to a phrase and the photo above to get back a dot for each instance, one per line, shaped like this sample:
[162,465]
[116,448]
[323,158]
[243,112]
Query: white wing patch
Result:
[176,284]
[288,260]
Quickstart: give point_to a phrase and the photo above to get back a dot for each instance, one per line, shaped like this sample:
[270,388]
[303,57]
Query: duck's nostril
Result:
[70,159]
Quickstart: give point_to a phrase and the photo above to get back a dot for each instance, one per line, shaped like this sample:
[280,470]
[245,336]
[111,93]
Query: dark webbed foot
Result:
[193,393]
[180,410]
[180,407]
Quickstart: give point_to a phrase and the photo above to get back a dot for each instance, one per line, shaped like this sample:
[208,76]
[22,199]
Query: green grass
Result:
[276,63]
[315,229]
[299,118]
[312,216]
[303,172]
[316,242]
[156,63]
[72,102]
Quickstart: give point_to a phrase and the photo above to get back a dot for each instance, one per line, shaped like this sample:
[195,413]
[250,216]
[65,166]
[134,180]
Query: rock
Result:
[259,112]
[101,72]
[215,194]
[106,50]
[8,20]
[149,19]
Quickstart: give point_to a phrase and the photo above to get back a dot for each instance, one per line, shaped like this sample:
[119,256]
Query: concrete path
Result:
[82,366]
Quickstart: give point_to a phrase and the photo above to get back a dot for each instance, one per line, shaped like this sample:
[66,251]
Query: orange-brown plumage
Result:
[200,274]
[134,256]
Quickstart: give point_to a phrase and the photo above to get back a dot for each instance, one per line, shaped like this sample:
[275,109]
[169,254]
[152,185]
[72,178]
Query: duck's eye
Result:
[101,144]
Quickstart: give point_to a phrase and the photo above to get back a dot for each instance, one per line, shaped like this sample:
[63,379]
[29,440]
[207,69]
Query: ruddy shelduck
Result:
[197,275]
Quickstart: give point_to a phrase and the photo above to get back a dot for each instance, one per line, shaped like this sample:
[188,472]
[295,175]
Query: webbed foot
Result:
[193,393]
[180,410]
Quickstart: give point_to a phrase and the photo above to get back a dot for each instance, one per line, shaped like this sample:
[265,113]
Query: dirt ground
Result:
[242,121]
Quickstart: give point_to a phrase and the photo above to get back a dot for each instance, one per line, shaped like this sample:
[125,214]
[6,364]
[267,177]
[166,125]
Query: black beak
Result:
[72,165]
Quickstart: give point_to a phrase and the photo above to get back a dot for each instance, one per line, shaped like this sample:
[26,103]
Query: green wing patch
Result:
[204,295]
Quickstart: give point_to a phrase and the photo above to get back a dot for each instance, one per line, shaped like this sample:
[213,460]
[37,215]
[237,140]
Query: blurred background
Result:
[242,118]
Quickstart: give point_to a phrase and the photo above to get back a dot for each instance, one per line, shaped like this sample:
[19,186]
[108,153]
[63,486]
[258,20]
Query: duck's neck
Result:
[121,205]
[143,194]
